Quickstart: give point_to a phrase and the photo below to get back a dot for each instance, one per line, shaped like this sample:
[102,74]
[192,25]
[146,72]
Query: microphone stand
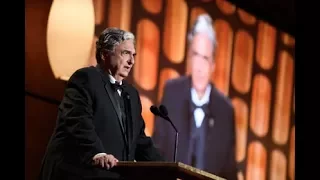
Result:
[176,139]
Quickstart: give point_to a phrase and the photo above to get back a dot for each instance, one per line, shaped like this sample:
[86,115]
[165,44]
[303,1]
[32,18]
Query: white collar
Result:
[205,99]
[113,80]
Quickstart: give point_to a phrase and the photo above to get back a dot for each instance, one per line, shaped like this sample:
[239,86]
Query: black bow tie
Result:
[117,86]
[204,107]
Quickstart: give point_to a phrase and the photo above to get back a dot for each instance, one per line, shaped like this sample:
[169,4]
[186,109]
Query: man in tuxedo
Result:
[203,116]
[99,120]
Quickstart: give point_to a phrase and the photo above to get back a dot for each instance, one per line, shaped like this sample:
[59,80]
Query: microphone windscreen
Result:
[163,110]
[155,110]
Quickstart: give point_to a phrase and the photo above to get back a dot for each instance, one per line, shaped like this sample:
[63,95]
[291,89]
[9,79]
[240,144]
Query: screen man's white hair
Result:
[203,24]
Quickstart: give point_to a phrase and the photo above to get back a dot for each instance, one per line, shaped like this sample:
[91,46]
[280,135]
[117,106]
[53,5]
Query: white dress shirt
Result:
[198,113]
[113,80]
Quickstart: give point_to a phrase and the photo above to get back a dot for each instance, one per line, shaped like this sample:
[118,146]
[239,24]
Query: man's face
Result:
[201,58]
[123,59]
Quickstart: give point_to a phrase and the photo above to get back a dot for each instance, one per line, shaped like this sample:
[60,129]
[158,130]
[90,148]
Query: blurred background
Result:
[254,67]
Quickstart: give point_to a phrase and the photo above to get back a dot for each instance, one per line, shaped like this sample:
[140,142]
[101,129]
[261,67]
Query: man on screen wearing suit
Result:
[99,120]
[204,116]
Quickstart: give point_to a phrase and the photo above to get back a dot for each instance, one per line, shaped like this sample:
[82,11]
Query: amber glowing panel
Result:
[99,10]
[257,161]
[240,176]
[146,64]
[266,44]
[70,32]
[175,28]
[153,7]
[242,61]
[226,7]
[282,106]
[278,166]
[260,105]
[292,154]
[246,17]
[222,55]
[287,39]
[241,121]
[120,14]
[147,115]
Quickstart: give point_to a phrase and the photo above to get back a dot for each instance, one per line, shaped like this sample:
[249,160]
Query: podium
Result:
[161,170]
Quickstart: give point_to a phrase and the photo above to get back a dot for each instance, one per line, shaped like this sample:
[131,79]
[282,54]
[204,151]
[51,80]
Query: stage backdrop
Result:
[254,67]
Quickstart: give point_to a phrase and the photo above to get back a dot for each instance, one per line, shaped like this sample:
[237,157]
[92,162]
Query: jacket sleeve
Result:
[230,167]
[76,115]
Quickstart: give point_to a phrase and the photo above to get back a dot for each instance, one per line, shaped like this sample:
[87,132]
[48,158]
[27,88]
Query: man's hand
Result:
[105,160]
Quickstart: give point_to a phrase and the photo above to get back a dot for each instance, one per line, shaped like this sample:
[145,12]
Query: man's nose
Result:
[198,68]
[131,60]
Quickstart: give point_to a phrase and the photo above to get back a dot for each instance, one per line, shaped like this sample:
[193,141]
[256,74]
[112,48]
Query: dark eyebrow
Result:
[198,54]
[125,50]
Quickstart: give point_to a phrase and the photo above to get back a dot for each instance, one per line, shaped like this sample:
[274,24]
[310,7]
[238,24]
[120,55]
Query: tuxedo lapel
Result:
[211,132]
[129,104]
[187,114]
[110,92]
[114,104]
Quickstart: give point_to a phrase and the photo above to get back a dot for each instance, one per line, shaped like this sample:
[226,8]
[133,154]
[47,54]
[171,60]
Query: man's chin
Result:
[124,74]
[200,87]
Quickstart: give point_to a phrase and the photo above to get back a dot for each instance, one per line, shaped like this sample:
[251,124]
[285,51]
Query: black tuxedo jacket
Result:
[88,123]
[219,152]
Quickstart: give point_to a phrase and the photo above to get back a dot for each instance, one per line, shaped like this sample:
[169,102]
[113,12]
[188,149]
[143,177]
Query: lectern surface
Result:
[162,170]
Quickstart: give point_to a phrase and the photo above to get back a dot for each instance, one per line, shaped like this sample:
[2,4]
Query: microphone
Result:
[155,110]
[163,110]
[164,114]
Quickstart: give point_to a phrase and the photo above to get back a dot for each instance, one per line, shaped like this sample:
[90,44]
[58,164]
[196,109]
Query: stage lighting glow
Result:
[70,33]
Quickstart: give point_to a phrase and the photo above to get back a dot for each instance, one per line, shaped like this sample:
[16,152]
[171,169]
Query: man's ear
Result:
[104,55]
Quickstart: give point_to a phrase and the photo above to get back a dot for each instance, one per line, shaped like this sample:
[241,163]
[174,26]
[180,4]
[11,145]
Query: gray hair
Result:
[109,39]
[203,24]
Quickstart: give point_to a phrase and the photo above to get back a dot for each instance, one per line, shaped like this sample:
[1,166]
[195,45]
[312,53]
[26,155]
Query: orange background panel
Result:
[241,117]
[257,161]
[147,115]
[246,17]
[120,14]
[278,166]
[222,55]
[146,61]
[154,6]
[226,7]
[287,39]
[282,106]
[99,10]
[242,61]
[175,29]
[240,176]
[266,42]
[260,105]
[291,168]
